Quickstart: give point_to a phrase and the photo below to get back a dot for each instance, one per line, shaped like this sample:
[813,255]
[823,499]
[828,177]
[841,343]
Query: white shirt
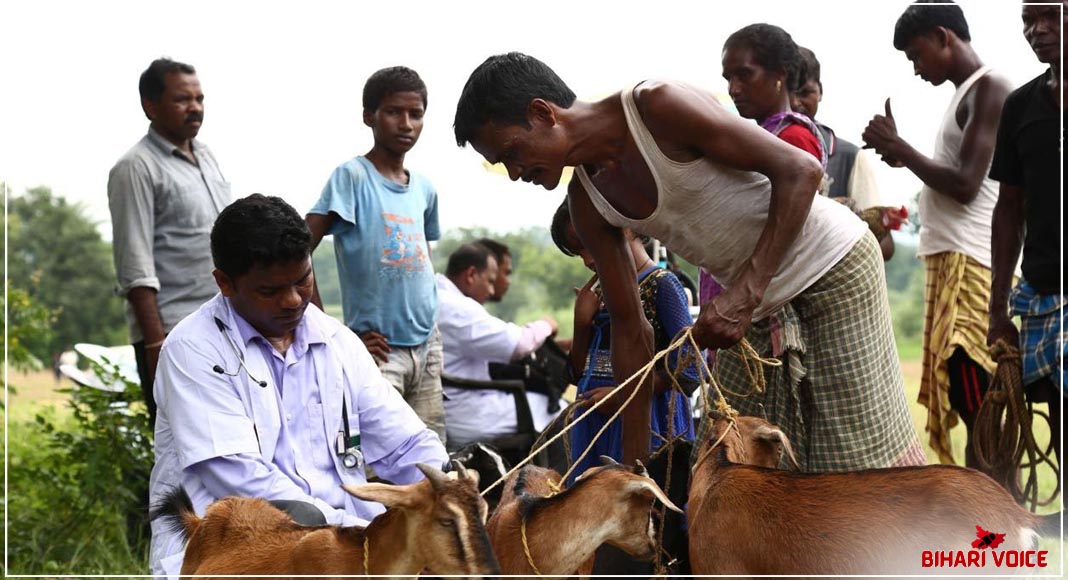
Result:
[205,416]
[471,338]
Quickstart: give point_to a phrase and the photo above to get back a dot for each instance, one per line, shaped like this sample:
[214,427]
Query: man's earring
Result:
[778,86]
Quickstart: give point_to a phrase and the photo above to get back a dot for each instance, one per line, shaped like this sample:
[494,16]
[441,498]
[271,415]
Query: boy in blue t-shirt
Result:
[382,216]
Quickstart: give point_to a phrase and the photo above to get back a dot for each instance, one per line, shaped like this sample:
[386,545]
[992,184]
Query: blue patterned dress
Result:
[667,310]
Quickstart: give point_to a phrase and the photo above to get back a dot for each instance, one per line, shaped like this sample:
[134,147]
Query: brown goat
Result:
[607,505]
[435,524]
[751,519]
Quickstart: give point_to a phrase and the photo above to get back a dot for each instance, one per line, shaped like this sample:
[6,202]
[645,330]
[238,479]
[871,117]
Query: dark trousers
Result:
[146,381]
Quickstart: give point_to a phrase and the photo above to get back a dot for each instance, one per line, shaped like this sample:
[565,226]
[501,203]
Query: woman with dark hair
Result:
[763,68]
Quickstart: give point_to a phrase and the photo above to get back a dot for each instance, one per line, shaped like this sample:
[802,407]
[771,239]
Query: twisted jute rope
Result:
[747,353]
[1004,431]
[366,554]
[526,547]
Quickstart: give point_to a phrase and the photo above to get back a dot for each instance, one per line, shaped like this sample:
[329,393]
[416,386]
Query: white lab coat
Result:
[203,415]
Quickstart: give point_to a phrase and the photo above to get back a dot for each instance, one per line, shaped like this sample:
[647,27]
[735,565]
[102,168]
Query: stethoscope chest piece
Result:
[353,458]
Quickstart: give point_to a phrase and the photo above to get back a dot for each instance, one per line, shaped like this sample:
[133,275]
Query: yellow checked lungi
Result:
[957,300]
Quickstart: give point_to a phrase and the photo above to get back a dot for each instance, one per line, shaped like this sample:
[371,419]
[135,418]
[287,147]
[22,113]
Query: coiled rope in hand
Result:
[1004,431]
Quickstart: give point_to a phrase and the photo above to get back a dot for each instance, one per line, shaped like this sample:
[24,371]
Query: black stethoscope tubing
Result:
[351,456]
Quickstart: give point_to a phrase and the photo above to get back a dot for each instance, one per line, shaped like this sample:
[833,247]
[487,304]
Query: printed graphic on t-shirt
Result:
[404,251]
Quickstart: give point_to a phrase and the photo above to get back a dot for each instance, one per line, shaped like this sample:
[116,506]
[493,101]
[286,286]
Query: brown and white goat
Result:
[611,504]
[752,519]
[435,524]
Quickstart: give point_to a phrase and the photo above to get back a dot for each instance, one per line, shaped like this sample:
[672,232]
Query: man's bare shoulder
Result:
[995,85]
[669,103]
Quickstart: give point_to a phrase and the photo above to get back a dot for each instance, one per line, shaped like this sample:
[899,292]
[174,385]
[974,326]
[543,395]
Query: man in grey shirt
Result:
[164,195]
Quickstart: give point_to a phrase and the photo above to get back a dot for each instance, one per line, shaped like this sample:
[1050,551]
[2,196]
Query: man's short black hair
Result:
[467,255]
[153,80]
[499,249]
[926,15]
[258,230]
[811,69]
[395,79]
[500,90]
[773,49]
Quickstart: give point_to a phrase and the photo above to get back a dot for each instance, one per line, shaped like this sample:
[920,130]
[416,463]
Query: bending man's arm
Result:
[632,336]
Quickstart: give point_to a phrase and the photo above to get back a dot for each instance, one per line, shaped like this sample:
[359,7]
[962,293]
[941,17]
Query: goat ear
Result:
[646,485]
[640,469]
[402,496]
[775,436]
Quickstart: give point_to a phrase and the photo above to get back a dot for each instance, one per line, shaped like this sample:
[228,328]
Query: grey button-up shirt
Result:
[163,207]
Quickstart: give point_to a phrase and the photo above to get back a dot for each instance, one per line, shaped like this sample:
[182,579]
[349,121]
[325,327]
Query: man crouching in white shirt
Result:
[262,395]
[471,339]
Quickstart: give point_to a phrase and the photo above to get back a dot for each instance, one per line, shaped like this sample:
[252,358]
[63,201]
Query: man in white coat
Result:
[471,338]
[261,395]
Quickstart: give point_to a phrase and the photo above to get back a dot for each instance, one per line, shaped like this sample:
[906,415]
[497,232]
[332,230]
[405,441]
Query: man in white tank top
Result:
[956,207]
[667,160]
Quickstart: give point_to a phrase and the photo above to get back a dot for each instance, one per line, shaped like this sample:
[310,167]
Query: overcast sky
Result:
[283,81]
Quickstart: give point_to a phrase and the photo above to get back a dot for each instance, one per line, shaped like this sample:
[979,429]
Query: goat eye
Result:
[446,523]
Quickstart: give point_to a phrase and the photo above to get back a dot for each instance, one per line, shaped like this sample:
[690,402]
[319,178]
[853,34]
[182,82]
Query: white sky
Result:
[283,81]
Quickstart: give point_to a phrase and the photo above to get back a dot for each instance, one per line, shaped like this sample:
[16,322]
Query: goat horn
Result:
[437,478]
[460,469]
[606,460]
[653,488]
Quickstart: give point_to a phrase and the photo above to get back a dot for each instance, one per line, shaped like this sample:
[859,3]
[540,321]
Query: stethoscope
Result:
[346,445]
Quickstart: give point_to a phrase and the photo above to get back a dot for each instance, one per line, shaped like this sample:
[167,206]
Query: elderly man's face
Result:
[1042,29]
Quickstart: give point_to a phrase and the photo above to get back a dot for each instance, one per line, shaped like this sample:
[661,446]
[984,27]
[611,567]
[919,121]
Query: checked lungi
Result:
[957,315]
[838,395]
[1043,340]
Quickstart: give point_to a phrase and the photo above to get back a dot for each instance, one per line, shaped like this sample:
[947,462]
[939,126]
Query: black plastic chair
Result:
[516,447]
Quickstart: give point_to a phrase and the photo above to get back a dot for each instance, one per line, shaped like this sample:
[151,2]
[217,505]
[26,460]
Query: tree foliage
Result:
[57,256]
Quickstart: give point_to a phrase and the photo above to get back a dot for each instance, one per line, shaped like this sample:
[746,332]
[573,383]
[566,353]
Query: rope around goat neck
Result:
[747,353]
[526,547]
[366,554]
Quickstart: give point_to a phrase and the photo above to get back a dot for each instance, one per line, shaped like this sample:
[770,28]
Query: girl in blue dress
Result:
[667,309]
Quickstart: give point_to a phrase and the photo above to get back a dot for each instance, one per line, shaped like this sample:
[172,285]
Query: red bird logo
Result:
[987,539]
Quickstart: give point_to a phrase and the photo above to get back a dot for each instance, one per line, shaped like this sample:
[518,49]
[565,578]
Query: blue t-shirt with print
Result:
[380,241]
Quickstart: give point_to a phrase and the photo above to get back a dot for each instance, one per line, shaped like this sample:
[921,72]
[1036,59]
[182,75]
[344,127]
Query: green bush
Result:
[78,485]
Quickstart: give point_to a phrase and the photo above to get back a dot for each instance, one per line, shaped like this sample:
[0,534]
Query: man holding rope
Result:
[1027,161]
[804,277]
